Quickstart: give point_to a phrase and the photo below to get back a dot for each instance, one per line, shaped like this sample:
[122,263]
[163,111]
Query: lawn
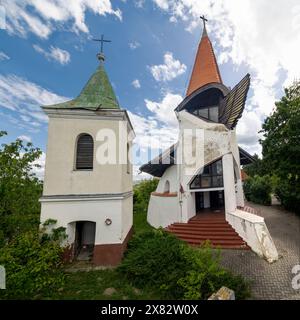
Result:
[92,284]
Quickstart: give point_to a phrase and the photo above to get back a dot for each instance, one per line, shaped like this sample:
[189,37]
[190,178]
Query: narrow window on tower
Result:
[84,152]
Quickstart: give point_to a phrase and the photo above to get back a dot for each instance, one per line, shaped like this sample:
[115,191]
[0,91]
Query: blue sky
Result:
[47,55]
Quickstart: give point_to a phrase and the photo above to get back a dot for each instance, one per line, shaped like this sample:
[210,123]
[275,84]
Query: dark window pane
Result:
[203,113]
[214,114]
[217,181]
[205,181]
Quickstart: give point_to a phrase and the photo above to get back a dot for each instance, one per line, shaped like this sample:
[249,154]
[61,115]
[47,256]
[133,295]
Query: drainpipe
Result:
[179,164]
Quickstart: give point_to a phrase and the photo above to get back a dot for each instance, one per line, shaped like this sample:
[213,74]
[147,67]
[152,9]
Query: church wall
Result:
[163,211]
[171,176]
[67,212]
[127,217]
[214,141]
[60,176]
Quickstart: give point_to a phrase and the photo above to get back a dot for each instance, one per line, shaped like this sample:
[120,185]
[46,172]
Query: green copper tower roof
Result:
[96,94]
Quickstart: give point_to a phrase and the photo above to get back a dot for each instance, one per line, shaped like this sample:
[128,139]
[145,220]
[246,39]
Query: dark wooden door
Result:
[199,201]
[216,199]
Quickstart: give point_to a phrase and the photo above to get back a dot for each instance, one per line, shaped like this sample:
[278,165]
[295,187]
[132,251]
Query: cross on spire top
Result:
[100,55]
[204,25]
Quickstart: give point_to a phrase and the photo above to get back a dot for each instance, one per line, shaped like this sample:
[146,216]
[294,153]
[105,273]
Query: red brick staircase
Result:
[212,227]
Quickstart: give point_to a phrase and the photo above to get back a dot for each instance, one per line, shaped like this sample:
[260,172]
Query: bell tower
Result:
[88,179]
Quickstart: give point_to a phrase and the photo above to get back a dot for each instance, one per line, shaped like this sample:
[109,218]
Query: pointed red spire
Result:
[205,69]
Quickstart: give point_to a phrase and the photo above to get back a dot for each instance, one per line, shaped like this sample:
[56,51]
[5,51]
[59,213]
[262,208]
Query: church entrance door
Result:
[204,201]
[216,199]
[84,240]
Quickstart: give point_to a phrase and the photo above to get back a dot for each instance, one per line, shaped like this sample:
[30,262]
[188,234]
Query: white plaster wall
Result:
[60,176]
[170,175]
[66,212]
[127,216]
[191,206]
[216,140]
[163,211]
[228,180]
[254,231]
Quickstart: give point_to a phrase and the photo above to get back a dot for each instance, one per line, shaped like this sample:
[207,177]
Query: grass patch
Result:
[91,286]
[140,223]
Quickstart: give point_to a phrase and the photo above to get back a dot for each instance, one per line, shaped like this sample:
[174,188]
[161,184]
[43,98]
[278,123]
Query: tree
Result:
[142,194]
[20,188]
[255,168]
[281,147]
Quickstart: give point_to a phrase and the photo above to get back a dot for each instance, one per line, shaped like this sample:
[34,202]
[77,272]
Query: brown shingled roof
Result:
[205,69]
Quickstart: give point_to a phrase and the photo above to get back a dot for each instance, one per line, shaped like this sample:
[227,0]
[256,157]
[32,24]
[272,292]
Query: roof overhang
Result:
[161,163]
[213,85]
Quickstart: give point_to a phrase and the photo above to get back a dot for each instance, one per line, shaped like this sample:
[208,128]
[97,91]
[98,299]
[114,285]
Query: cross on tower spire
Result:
[204,25]
[100,55]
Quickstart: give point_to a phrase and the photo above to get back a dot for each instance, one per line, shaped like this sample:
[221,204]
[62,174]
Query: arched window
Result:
[84,152]
[211,177]
[167,187]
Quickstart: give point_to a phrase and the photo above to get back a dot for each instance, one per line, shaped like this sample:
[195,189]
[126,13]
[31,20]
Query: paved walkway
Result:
[271,281]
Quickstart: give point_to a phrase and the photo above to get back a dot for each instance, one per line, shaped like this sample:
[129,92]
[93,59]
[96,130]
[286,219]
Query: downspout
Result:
[179,164]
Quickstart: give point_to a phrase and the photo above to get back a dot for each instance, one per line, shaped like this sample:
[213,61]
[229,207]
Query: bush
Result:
[32,264]
[258,189]
[167,265]
[289,194]
[15,224]
[141,195]
[154,260]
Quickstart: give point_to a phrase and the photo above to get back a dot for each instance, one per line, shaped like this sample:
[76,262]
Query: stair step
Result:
[208,220]
[215,241]
[225,246]
[204,233]
[197,223]
[207,227]
[210,237]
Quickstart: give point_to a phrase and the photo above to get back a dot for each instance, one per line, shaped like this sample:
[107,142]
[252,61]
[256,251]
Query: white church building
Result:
[86,193]
[200,195]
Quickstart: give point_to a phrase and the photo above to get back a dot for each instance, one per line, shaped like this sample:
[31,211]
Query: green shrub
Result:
[32,264]
[170,267]
[141,195]
[258,189]
[154,259]
[289,194]
[15,224]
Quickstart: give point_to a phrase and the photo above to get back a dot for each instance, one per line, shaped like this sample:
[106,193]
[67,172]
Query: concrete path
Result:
[271,281]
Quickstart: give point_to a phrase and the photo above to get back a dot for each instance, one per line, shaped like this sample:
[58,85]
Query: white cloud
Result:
[136,83]
[163,4]
[57,54]
[169,70]
[155,132]
[43,17]
[139,3]
[3,56]
[247,132]
[25,98]
[25,138]
[134,45]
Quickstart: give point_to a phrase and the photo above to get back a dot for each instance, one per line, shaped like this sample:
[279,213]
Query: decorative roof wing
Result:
[232,106]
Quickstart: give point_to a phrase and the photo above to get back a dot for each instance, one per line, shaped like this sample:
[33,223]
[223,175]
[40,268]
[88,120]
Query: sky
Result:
[47,55]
